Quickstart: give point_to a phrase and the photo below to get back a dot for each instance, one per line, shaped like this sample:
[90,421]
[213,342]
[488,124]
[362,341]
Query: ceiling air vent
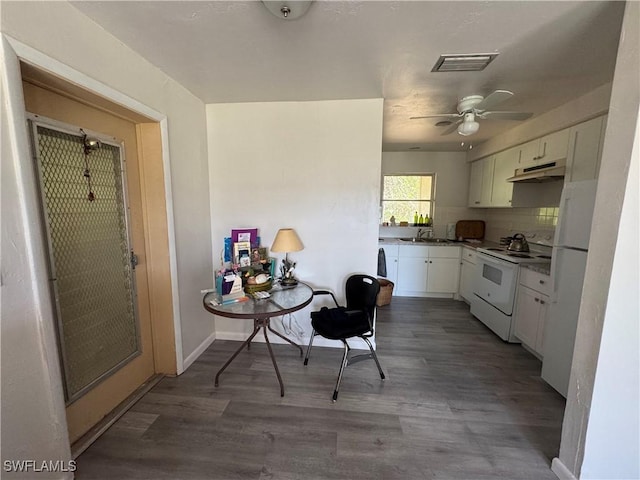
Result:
[472,62]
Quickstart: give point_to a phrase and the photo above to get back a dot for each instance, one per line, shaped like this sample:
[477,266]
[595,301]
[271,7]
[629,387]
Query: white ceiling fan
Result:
[477,107]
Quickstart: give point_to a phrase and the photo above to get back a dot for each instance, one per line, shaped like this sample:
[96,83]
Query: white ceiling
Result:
[549,53]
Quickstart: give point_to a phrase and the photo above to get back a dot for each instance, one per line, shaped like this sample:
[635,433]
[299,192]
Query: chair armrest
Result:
[326,292]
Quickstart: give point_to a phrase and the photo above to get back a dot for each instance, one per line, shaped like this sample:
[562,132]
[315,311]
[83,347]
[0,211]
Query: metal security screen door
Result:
[82,188]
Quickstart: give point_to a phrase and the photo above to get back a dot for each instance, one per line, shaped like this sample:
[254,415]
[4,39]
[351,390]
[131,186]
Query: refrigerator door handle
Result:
[555,263]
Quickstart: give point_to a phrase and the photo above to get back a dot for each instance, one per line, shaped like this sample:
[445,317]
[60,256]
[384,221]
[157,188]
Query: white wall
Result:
[452,184]
[612,445]
[312,166]
[56,34]
[605,308]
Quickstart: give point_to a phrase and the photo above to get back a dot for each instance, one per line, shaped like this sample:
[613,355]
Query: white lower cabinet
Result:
[428,271]
[467,273]
[531,309]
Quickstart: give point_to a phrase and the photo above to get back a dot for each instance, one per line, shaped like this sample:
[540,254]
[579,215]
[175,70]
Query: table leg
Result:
[256,329]
[285,338]
[273,359]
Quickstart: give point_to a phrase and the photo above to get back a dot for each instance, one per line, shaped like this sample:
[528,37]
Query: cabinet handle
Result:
[430,261]
[426,261]
[541,302]
[541,282]
[537,299]
[476,202]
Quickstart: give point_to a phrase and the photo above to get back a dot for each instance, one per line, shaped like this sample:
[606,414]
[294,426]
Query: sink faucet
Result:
[420,233]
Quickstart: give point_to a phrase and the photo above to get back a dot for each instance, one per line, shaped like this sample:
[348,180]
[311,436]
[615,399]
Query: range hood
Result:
[539,173]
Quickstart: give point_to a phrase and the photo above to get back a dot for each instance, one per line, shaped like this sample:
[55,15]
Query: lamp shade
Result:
[287,240]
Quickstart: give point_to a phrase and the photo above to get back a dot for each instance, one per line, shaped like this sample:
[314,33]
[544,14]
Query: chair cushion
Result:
[339,323]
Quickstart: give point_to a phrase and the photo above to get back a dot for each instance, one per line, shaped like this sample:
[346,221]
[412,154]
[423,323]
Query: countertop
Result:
[544,268]
[449,243]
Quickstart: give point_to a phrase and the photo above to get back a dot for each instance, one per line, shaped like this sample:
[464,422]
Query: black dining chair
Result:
[354,320]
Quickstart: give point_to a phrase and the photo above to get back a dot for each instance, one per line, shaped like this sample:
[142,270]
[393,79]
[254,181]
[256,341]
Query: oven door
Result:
[496,282]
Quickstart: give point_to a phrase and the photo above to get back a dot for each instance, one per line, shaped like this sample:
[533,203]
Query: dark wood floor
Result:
[458,403]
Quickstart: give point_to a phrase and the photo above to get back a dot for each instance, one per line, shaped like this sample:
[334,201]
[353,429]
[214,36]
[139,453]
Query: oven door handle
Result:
[496,262]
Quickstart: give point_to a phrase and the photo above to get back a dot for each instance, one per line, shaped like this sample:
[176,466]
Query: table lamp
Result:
[286,241]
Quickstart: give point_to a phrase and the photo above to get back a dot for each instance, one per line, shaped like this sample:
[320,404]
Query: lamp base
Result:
[288,282]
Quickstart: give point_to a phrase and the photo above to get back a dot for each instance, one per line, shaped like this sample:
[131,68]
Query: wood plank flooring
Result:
[458,403]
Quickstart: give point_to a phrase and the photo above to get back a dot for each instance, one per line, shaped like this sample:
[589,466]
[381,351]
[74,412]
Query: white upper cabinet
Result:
[581,146]
[475,184]
[585,150]
[550,148]
[481,182]
[506,163]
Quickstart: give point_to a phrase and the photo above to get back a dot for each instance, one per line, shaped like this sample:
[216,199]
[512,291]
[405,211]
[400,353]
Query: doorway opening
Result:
[150,345]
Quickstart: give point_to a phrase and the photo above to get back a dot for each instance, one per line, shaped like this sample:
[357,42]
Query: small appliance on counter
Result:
[518,244]
[451,231]
[469,230]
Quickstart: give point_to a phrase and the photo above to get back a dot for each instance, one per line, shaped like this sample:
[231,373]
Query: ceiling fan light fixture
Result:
[287,10]
[469,126]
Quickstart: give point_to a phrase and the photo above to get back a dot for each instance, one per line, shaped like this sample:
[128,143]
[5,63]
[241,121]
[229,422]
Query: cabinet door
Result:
[553,147]
[544,301]
[487,181]
[467,276]
[583,160]
[475,184]
[443,275]
[505,165]
[527,315]
[529,153]
[412,274]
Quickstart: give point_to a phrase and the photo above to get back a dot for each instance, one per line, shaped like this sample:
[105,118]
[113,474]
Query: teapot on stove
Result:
[518,244]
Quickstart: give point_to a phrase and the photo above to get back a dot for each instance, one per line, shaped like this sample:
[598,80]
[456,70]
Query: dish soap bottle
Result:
[421,220]
[415,219]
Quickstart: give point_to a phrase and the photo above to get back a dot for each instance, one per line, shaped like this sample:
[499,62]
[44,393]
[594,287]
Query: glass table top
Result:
[281,301]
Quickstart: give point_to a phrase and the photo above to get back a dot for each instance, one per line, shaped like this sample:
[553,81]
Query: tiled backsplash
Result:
[506,221]
[500,222]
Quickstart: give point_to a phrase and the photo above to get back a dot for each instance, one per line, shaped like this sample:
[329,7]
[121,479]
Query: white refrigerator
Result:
[569,259]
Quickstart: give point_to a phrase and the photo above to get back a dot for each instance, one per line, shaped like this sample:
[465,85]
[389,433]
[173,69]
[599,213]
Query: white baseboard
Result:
[560,470]
[355,343]
[193,356]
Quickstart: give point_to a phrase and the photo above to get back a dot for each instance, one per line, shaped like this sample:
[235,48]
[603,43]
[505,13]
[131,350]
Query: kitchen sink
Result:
[424,240]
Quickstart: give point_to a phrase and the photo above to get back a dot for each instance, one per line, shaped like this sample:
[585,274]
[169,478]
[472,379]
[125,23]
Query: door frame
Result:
[154,134]
[26,54]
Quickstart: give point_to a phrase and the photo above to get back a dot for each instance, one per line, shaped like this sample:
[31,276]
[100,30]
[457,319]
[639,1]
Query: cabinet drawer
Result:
[413,251]
[444,252]
[469,255]
[535,281]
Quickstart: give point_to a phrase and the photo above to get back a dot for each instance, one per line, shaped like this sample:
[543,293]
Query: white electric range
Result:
[496,279]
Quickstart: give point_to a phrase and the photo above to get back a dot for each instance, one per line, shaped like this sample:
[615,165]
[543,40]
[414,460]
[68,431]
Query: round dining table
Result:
[281,301]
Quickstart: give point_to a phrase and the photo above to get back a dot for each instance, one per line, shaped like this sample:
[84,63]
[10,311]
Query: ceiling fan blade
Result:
[452,128]
[505,115]
[437,115]
[493,99]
